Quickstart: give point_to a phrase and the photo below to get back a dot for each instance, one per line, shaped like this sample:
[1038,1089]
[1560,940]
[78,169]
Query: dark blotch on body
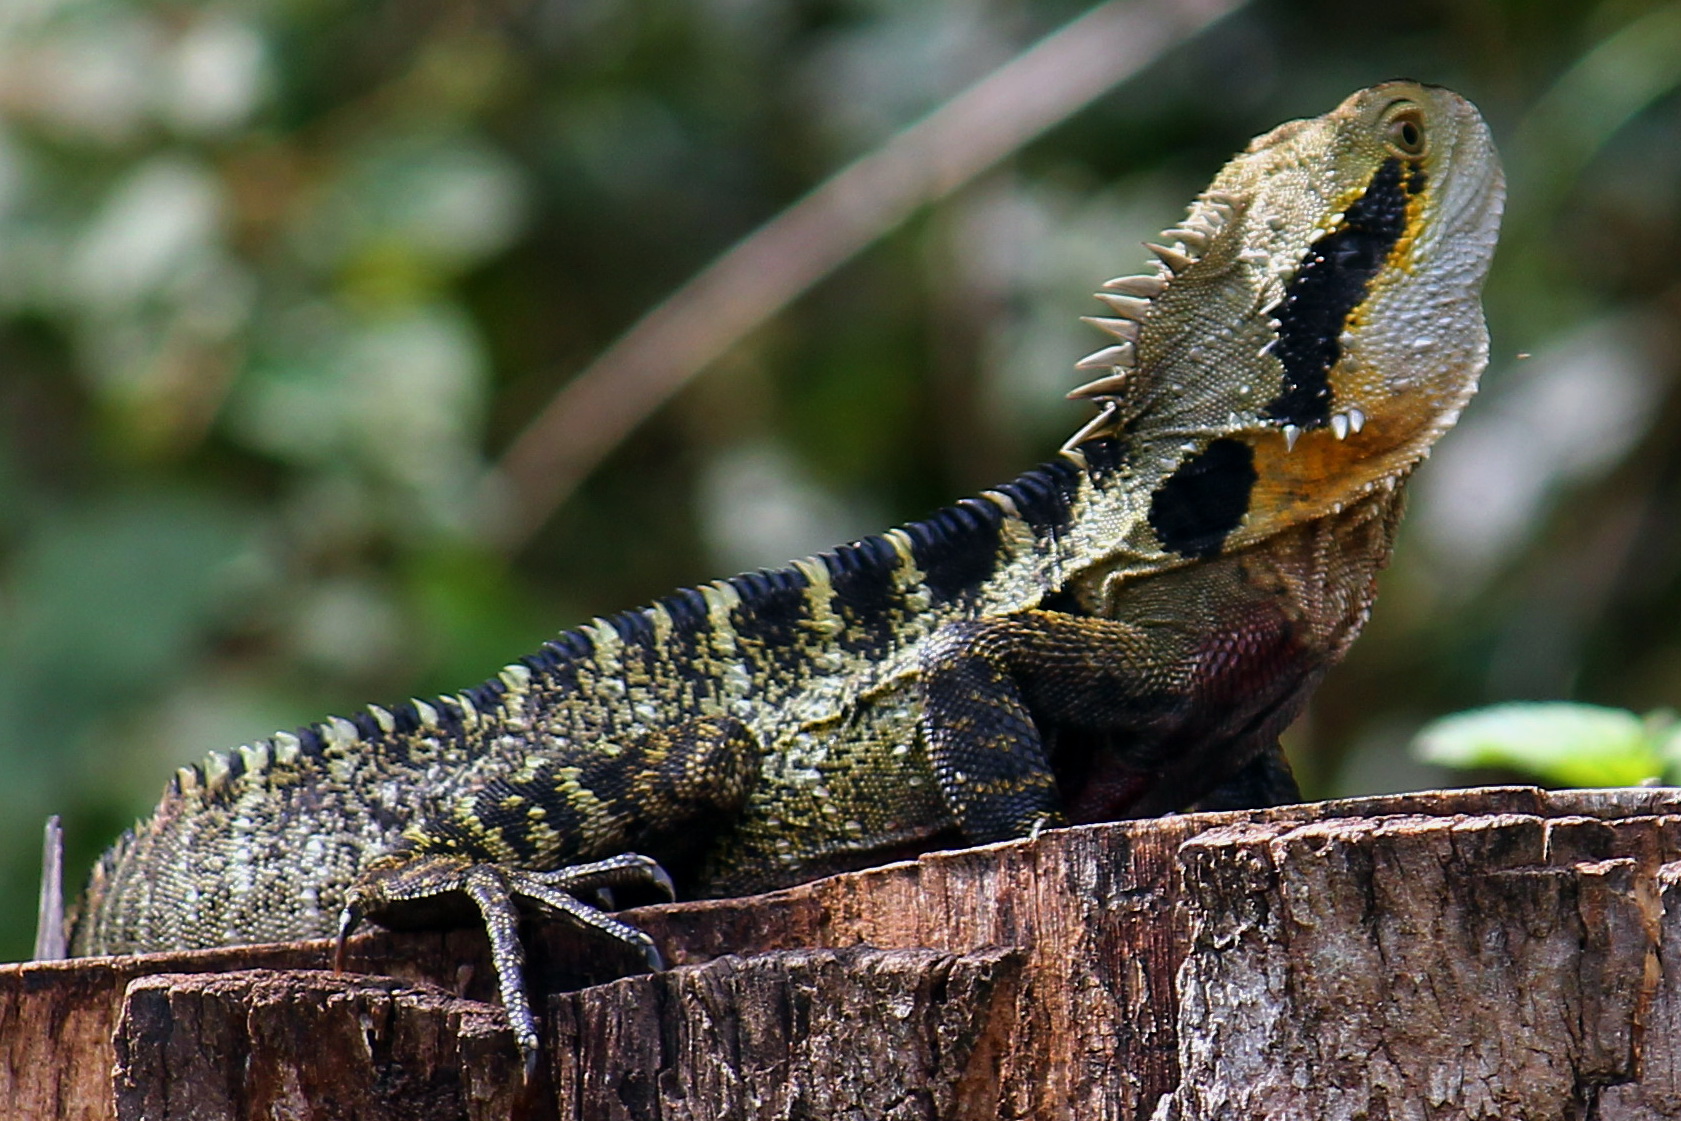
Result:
[1204,499]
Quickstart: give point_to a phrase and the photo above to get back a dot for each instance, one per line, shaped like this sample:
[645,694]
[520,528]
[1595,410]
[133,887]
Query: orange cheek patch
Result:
[1323,472]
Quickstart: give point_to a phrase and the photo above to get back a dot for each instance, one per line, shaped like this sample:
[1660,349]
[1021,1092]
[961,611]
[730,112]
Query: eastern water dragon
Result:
[1121,631]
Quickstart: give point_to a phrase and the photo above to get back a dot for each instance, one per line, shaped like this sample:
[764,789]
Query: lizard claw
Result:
[531,1057]
[662,880]
[401,886]
[626,868]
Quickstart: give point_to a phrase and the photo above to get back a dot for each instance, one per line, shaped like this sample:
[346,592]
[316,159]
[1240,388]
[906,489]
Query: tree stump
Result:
[1499,953]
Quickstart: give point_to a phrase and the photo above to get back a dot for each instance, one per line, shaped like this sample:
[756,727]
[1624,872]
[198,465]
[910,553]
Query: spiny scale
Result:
[1176,260]
[1132,297]
[1144,286]
[1124,329]
[1107,358]
[1127,307]
[1101,387]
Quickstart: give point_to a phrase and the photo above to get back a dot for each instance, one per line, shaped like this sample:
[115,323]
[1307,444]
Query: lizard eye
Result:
[1403,130]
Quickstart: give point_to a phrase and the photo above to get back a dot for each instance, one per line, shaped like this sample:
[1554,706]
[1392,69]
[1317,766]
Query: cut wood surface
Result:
[1496,953]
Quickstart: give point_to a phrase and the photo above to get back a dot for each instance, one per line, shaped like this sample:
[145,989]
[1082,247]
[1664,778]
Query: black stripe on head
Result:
[1329,285]
[1200,504]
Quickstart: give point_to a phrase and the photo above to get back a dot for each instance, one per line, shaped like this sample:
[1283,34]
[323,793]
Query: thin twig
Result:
[780,260]
[50,941]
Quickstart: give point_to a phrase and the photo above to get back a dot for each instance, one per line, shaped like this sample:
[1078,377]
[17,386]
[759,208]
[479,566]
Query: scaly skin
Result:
[1121,631]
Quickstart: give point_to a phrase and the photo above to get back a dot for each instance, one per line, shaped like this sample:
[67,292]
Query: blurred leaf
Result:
[394,399]
[1623,74]
[107,602]
[1665,729]
[446,201]
[101,609]
[474,616]
[1562,744]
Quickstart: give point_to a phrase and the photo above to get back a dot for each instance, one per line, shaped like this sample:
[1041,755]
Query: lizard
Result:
[1123,630]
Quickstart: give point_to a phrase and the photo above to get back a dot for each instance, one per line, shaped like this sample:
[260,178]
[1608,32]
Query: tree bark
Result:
[1502,953]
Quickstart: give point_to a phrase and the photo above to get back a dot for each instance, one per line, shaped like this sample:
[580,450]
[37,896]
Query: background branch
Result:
[779,261]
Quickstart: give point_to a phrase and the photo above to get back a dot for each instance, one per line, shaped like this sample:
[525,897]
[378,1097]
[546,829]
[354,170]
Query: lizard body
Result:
[1121,631]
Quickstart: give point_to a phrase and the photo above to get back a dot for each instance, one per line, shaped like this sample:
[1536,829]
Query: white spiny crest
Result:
[1176,260]
[1127,307]
[1106,386]
[1194,240]
[426,713]
[216,770]
[1124,329]
[469,711]
[287,748]
[1110,357]
[387,722]
[1103,420]
[256,757]
[1145,285]
[1132,298]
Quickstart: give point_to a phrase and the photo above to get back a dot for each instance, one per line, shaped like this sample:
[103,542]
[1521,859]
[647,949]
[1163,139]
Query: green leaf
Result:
[1664,729]
[1561,744]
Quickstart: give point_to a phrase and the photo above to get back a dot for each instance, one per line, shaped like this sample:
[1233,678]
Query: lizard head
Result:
[1315,323]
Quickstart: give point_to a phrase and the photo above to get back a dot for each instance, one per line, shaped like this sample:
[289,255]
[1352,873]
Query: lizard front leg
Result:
[515,836]
[979,726]
[1179,706]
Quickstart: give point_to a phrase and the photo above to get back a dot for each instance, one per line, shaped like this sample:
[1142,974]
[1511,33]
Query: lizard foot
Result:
[417,890]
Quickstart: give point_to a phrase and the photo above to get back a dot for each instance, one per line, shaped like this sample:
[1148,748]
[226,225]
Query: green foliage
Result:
[1560,744]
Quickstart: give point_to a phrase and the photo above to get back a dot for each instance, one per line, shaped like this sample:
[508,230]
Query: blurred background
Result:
[280,282]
